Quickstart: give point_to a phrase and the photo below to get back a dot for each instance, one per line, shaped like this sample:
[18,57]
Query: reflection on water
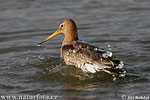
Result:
[75,91]
[119,26]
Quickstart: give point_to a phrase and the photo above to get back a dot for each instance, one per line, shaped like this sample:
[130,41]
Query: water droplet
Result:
[109,47]
[27,58]
[95,49]
[114,78]
[40,57]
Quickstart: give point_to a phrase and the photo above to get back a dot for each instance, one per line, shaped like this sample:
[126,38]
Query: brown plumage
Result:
[83,55]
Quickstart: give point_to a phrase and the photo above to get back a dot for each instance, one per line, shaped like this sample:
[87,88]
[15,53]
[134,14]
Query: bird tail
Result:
[117,68]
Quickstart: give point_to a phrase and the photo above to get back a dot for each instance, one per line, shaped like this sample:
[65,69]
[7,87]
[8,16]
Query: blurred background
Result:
[121,26]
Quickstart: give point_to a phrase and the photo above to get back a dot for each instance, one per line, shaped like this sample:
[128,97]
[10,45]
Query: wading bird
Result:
[89,58]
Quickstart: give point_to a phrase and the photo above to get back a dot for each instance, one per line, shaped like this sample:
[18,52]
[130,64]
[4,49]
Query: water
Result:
[121,26]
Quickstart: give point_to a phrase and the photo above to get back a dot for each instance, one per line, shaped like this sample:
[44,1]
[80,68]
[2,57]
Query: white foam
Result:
[120,66]
[107,54]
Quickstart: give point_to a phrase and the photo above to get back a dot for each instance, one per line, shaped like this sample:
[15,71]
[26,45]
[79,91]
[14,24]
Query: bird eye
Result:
[61,25]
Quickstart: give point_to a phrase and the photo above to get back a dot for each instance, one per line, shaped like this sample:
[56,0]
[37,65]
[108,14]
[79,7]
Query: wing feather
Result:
[85,53]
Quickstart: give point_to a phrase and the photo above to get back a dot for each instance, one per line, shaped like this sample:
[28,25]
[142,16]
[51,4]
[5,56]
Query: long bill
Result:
[51,36]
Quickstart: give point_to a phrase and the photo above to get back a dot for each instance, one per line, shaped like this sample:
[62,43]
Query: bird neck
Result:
[70,37]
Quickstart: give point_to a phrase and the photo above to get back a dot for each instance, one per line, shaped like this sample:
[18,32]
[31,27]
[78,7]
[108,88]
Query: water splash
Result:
[41,57]
[38,45]
[107,54]
[95,49]
[99,49]
[120,66]
[122,74]
[109,47]
[114,78]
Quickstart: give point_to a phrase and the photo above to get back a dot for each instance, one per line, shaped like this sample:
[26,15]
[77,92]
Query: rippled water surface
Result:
[26,69]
